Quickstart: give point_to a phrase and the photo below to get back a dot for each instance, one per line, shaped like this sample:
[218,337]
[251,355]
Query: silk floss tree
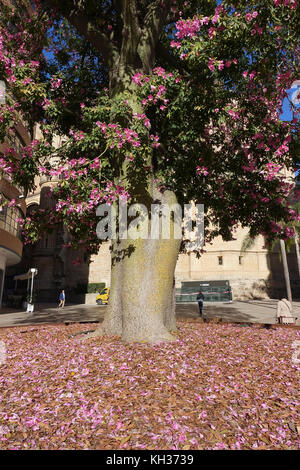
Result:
[160,102]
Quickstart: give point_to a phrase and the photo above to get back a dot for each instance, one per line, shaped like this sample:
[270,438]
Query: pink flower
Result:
[211,64]
[147,123]
[137,78]
[215,19]
[202,170]
[175,44]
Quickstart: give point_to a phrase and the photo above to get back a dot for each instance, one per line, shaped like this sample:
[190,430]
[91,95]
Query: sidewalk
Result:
[254,311]
[50,313]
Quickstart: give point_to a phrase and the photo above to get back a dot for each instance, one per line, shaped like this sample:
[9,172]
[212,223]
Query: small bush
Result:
[96,287]
[92,288]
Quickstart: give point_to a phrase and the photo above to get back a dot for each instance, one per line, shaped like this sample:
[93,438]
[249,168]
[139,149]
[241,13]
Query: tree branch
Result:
[97,38]
[155,19]
[173,61]
[131,32]
[85,27]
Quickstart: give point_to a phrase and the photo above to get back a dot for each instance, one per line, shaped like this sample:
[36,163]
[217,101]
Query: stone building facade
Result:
[10,238]
[254,274]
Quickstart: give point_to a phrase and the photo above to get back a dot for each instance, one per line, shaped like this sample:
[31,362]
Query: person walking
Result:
[62,299]
[200,299]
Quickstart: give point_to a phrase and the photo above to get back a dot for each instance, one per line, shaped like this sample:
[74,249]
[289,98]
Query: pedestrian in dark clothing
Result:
[200,299]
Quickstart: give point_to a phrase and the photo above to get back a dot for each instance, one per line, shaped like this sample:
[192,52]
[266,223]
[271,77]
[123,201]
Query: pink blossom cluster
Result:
[155,141]
[233,113]
[118,136]
[79,135]
[272,170]
[142,117]
[176,44]
[189,28]
[56,83]
[6,168]
[289,233]
[202,170]
[214,64]
[287,3]
[140,79]
[283,149]
[275,228]
[250,75]
[46,103]
[155,91]
[115,191]
[12,63]
[256,30]
[251,16]
[73,163]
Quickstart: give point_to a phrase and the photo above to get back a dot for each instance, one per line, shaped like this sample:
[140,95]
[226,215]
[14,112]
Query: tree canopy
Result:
[184,95]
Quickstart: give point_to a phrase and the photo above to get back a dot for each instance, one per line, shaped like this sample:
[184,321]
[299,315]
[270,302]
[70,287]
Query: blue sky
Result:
[288,114]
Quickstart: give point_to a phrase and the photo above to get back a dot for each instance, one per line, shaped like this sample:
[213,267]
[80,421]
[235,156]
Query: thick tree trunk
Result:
[169,313]
[142,303]
[113,323]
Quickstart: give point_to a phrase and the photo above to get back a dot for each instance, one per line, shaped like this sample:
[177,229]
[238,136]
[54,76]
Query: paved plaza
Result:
[256,311]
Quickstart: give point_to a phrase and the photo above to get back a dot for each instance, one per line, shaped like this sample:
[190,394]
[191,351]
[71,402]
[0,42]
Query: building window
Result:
[240,260]
[48,242]
[220,260]
[9,220]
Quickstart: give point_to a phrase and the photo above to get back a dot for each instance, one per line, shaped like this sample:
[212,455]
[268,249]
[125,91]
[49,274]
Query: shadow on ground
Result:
[227,312]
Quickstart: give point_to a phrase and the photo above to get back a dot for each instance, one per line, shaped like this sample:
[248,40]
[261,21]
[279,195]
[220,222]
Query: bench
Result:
[287,320]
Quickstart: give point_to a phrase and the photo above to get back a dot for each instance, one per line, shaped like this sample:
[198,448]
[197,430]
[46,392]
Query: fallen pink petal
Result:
[216,387]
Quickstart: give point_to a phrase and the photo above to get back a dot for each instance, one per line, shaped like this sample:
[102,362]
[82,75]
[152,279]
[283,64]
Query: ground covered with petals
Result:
[217,387]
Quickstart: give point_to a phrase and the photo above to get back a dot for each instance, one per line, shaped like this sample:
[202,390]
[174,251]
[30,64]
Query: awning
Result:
[23,277]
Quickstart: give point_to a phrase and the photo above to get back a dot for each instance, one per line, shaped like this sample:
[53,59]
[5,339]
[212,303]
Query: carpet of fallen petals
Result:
[217,387]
